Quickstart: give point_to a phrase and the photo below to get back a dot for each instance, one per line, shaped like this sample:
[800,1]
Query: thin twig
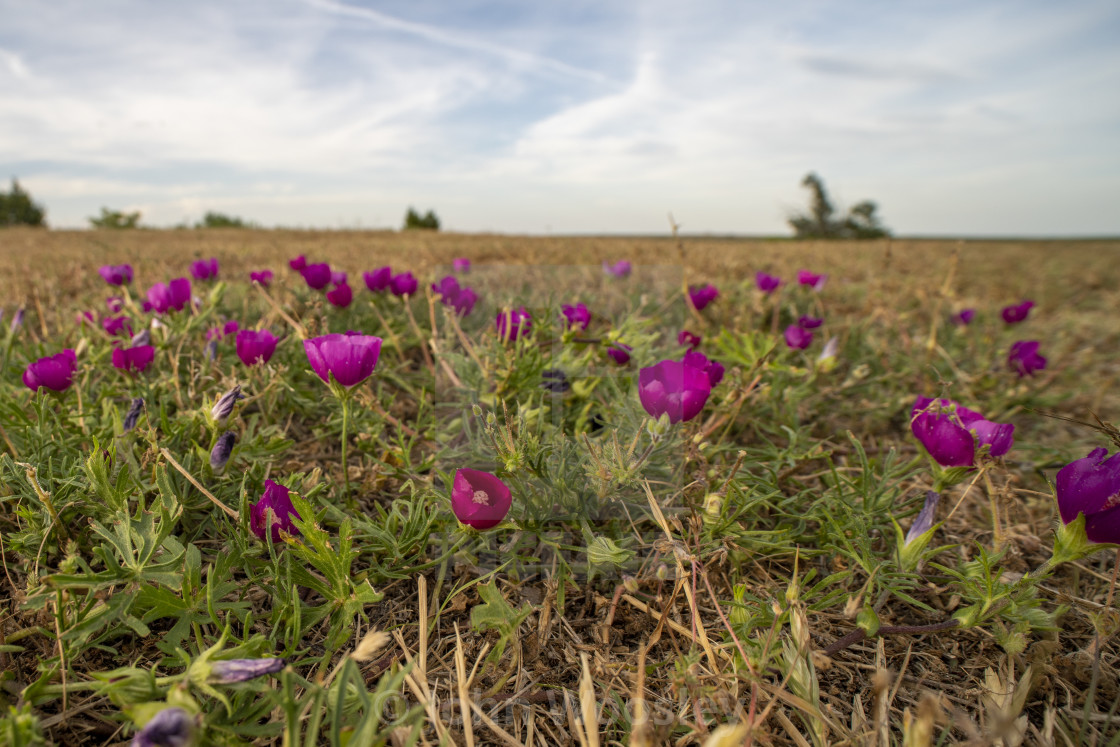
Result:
[229,511]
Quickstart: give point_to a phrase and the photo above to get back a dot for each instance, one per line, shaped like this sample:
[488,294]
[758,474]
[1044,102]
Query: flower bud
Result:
[224,406]
[221,451]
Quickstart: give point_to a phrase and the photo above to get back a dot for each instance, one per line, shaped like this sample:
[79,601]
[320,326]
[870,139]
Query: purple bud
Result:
[211,350]
[143,337]
[403,284]
[1016,314]
[809,322]
[17,320]
[171,727]
[964,317]
[219,455]
[619,269]
[798,338]
[133,413]
[925,519]
[224,406]
[298,263]
[229,671]
[577,316]
[619,353]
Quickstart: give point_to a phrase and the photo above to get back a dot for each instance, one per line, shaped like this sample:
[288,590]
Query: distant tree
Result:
[17,208]
[220,220]
[820,223]
[428,221]
[116,219]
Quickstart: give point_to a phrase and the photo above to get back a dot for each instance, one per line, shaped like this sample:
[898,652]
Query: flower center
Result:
[481,498]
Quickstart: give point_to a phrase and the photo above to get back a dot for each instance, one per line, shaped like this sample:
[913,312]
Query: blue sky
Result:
[966,118]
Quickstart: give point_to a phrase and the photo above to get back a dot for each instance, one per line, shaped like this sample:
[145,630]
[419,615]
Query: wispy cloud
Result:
[587,116]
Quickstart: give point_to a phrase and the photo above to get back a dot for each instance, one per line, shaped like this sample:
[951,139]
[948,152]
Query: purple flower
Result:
[229,328]
[1091,486]
[133,413]
[134,359]
[261,277]
[619,353]
[688,338]
[809,322]
[338,277]
[797,337]
[701,296]
[171,297]
[114,304]
[513,323]
[341,296]
[171,727]
[117,325]
[767,283]
[17,319]
[85,317]
[298,263]
[555,380]
[205,269]
[1015,314]
[461,265]
[451,294]
[952,433]
[964,317]
[143,337]
[230,671]
[403,284]
[816,282]
[1024,358]
[219,455]
[350,359]
[317,276]
[254,347]
[116,274]
[274,511]
[55,372]
[619,269]
[479,499]
[223,408]
[714,369]
[378,280]
[675,389]
[578,317]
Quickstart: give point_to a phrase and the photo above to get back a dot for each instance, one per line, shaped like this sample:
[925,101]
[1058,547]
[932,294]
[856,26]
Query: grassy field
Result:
[739,578]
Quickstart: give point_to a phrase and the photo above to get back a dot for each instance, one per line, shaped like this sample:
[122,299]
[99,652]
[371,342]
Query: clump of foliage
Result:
[820,222]
[18,209]
[221,220]
[116,219]
[428,220]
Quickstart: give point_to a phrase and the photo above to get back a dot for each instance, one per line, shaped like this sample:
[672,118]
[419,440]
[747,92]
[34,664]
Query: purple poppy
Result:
[619,269]
[688,338]
[117,325]
[171,727]
[340,296]
[797,337]
[55,372]
[578,317]
[85,317]
[171,297]
[813,280]
[230,671]
[338,277]
[254,347]
[378,280]
[317,276]
[134,359]
[451,294]
[479,499]
[262,278]
[809,322]
[513,323]
[1016,314]
[114,304]
[116,274]
[619,353]
[1091,486]
[350,359]
[701,296]
[964,317]
[298,263]
[952,433]
[1024,358]
[461,265]
[403,284]
[767,283]
[274,511]
[675,389]
[205,269]
[465,301]
[714,369]
[446,286]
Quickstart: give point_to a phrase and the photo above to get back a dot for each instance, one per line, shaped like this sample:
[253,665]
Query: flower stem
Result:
[345,427]
[993,504]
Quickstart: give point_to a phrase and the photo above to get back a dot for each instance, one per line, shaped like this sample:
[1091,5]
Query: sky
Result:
[605,116]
